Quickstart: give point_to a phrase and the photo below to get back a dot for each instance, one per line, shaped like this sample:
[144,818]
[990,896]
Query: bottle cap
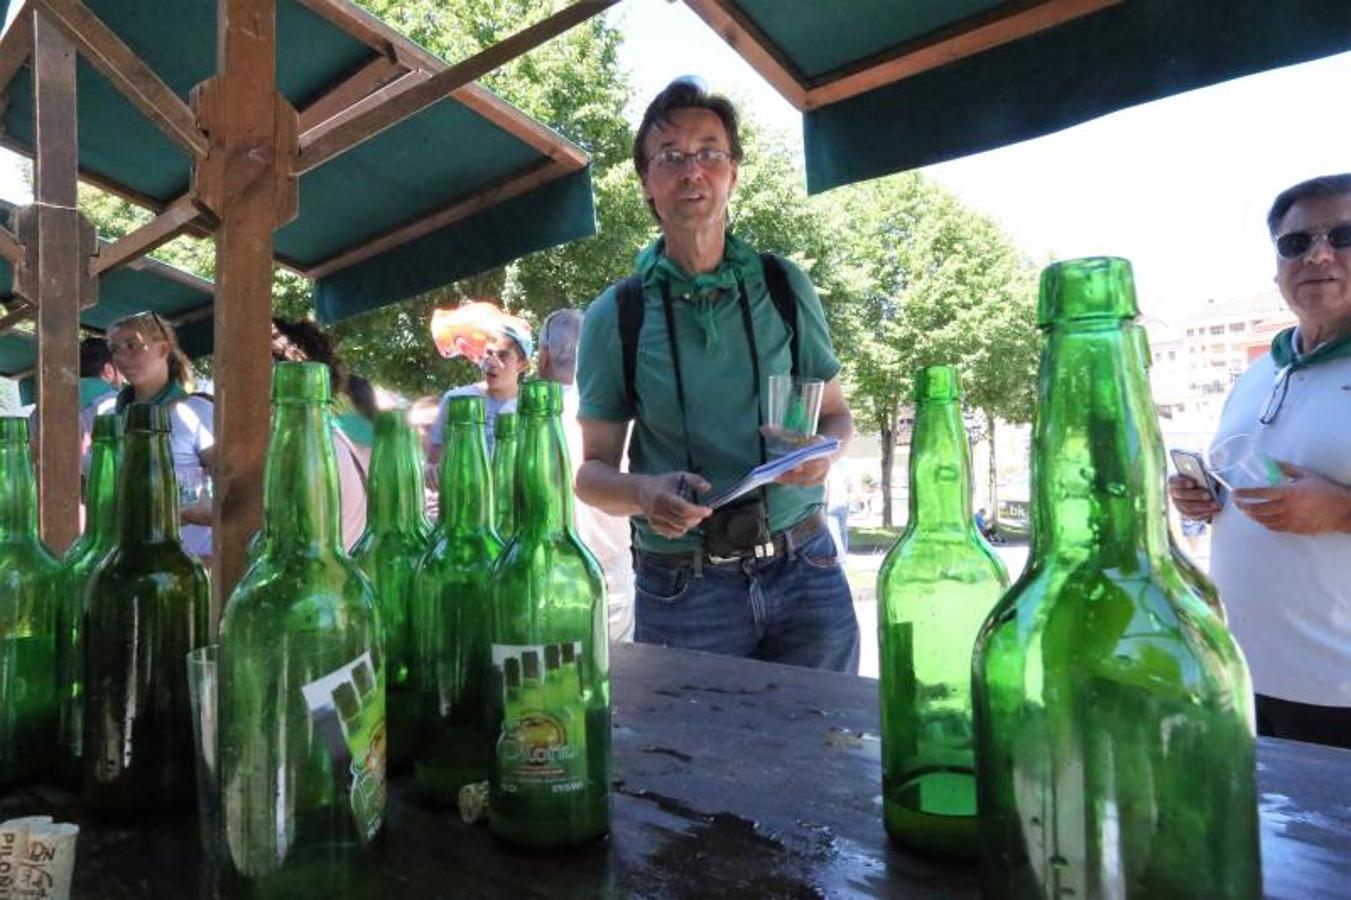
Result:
[466,411]
[1097,287]
[300,383]
[13,430]
[938,384]
[540,398]
[146,417]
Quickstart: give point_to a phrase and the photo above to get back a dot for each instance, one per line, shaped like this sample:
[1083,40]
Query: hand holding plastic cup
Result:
[794,405]
[1236,462]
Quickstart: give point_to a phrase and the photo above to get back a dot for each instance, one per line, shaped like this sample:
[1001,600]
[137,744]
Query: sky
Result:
[1180,186]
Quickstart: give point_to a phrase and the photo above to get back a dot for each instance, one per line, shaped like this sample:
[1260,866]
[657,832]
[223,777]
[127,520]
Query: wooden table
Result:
[732,779]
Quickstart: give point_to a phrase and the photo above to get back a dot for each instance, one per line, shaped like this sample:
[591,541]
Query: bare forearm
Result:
[839,426]
[603,486]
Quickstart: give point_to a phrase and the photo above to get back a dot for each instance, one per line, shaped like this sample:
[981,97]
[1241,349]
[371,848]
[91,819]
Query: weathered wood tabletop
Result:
[732,778]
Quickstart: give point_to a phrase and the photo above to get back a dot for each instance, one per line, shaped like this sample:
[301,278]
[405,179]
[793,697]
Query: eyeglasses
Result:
[1279,388]
[675,160]
[1294,244]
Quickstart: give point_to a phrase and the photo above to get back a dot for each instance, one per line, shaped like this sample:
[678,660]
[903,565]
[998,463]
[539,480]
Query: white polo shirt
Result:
[1289,595]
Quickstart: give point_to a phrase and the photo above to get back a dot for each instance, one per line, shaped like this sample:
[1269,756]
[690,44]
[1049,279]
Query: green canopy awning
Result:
[379,194]
[885,87]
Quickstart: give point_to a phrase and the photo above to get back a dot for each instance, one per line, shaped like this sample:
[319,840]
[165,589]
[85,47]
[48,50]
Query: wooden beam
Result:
[746,38]
[242,121]
[504,189]
[15,317]
[1003,25]
[367,79]
[16,46]
[59,268]
[169,224]
[11,249]
[383,95]
[127,72]
[353,130]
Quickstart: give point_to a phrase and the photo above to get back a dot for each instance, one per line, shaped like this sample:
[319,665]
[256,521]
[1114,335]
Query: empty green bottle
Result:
[29,576]
[550,784]
[1114,724]
[389,552]
[506,437]
[934,590]
[100,533]
[146,607]
[301,677]
[452,612]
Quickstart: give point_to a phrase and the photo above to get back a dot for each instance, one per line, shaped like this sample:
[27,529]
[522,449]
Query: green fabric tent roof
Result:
[1119,56]
[441,155]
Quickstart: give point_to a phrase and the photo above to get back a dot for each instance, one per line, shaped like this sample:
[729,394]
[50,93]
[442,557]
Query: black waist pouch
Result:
[738,527]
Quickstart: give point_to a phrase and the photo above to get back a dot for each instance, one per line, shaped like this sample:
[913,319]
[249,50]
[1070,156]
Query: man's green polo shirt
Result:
[715,368]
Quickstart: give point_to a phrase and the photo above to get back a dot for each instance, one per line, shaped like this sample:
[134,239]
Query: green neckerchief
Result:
[1283,351]
[705,290]
[172,391]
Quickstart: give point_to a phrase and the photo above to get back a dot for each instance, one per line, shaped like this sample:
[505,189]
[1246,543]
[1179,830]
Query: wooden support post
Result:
[59,271]
[238,110]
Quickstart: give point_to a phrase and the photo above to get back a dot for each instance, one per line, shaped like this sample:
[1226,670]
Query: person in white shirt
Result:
[1281,552]
[505,362]
[605,535]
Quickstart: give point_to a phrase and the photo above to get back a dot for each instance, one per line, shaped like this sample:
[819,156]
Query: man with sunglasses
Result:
[1281,552]
[683,351]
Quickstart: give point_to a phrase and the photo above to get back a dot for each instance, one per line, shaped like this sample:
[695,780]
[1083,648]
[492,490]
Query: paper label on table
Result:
[348,708]
[542,747]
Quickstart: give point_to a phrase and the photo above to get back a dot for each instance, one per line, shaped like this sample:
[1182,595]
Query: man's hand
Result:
[1308,504]
[1191,499]
[670,514]
[808,474]
[198,512]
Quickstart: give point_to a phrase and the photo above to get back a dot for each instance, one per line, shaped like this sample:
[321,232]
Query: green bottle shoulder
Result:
[527,553]
[378,548]
[947,555]
[164,562]
[301,589]
[27,557]
[82,564]
[467,549]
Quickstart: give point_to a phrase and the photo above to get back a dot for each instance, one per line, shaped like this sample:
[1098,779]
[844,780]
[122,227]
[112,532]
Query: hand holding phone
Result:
[1190,464]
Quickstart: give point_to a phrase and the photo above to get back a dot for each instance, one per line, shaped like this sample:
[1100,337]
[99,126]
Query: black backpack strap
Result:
[785,301]
[629,300]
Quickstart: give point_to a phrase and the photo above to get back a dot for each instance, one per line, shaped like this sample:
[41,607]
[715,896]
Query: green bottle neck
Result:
[543,478]
[1097,457]
[940,468]
[147,491]
[18,493]
[395,485]
[301,511]
[466,483]
[100,495]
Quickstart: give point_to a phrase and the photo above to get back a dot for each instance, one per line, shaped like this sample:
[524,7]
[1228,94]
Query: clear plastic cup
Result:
[1238,462]
[793,407]
[202,695]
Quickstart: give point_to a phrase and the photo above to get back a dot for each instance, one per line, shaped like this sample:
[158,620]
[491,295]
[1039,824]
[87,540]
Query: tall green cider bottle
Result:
[935,588]
[1114,722]
[28,578]
[550,784]
[506,439]
[100,533]
[452,612]
[145,609]
[389,552]
[301,677]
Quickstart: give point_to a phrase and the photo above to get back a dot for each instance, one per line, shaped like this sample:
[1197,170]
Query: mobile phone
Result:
[1190,464]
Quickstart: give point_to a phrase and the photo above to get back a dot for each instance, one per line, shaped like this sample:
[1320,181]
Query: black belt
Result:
[779,543]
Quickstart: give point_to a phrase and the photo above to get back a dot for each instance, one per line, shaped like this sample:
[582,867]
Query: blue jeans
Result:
[795,608]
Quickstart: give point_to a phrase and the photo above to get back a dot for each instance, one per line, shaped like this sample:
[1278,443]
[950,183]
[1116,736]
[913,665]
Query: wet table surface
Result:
[732,779]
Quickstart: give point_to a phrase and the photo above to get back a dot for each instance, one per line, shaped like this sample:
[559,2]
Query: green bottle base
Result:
[332,870]
[534,832]
[944,824]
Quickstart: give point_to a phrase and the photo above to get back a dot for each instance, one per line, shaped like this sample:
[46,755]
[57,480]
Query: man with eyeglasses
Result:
[1281,553]
[683,350]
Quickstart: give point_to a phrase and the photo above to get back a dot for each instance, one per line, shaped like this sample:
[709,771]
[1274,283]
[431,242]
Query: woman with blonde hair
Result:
[145,350]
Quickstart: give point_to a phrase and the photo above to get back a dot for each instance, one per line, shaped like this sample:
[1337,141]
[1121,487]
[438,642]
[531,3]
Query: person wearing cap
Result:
[1280,553]
[762,578]
[505,362]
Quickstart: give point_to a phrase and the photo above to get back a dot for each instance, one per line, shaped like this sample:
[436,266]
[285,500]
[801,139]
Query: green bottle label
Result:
[542,748]
[348,708]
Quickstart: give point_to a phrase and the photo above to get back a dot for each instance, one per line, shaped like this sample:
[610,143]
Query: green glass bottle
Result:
[28,577]
[1114,725]
[100,533]
[506,437]
[146,608]
[301,675]
[389,552]
[934,590]
[550,779]
[452,612]
[1138,341]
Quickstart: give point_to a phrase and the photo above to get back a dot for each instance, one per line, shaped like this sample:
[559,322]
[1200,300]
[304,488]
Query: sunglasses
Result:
[1294,244]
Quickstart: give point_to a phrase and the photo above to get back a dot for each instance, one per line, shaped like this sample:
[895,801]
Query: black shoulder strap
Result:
[629,300]
[785,301]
